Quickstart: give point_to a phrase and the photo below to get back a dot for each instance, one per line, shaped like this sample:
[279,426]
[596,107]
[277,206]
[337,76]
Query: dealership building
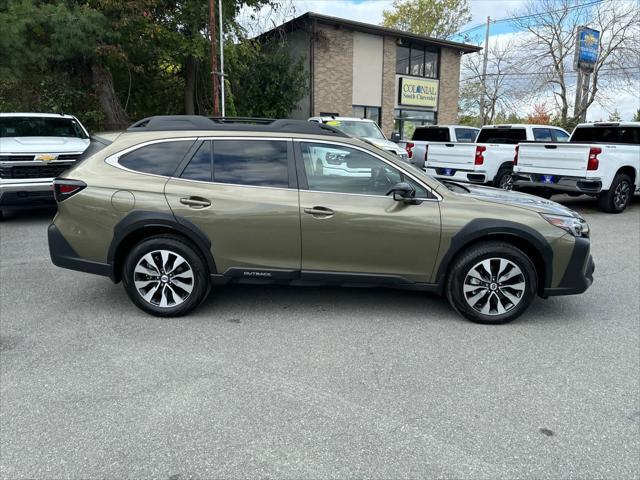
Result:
[396,78]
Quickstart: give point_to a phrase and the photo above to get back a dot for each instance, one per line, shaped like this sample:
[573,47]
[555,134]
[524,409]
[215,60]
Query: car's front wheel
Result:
[491,283]
[165,276]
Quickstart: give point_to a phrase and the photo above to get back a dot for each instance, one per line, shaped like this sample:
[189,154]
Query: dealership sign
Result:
[587,41]
[418,92]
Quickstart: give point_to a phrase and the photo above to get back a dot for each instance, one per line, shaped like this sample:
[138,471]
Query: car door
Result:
[242,193]
[351,229]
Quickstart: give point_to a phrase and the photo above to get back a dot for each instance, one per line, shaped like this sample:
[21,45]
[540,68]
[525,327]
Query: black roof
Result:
[248,124]
[301,20]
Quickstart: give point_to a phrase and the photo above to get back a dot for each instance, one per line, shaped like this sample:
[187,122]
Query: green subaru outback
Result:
[179,204]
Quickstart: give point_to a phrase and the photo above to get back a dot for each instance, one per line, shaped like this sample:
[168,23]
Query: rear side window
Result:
[542,135]
[508,136]
[200,166]
[262,163]
[158,158]
[560,135]
[431,134]
[466,135]
[613,134]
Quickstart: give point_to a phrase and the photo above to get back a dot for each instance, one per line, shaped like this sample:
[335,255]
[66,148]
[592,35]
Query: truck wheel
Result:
[504,179]
[165,276]
[491,283]
[616,199]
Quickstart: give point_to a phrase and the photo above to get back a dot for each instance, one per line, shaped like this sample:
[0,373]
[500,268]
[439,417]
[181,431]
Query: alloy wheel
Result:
[163,278]
[621,194]
[506,182]
[494,286]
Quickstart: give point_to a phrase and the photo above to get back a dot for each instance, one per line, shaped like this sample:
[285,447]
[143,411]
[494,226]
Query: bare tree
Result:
[503,90]
[549,37]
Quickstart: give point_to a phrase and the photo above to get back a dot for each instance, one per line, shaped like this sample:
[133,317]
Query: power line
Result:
[534,74]
[522,17]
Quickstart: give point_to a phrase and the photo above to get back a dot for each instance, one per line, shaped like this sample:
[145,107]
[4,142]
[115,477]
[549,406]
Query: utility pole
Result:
[585,95]
[214,58]
[221,57]
[484,73]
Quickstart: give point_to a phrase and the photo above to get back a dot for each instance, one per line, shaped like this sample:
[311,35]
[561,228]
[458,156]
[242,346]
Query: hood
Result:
[385,144]
[43,144]
[531,202]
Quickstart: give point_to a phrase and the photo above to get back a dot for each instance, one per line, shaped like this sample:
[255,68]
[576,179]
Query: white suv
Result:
[34,149]
[363,129]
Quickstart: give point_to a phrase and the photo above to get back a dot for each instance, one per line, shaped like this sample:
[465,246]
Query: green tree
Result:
[434,18]
[615,116]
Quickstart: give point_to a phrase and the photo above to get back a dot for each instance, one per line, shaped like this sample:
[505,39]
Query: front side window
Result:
[561,136]
[40,127]
[542,135]
[339,169]
[262,163]
[466,135]
[158,158]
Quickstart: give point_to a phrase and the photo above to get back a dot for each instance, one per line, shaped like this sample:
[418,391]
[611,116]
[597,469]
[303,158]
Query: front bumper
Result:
[16,194]
[561,183]
[63,255]
[578,275]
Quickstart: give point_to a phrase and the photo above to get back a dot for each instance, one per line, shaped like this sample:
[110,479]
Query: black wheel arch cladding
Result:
[139,220]
[488,227]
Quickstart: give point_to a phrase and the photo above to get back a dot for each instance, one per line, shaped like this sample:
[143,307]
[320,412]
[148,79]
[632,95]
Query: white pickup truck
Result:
[601,159]
[490,159]
[424,135]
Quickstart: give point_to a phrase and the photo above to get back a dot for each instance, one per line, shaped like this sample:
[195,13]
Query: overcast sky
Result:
[370,11]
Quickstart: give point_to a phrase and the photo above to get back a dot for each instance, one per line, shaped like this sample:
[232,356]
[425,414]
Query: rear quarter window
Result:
[158,158]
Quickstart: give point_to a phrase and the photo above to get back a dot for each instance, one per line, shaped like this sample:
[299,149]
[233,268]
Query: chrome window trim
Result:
[393,165]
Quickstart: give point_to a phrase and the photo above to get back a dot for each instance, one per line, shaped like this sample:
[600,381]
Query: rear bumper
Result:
[578,276]
[561,183]
[63,255]
[458,175]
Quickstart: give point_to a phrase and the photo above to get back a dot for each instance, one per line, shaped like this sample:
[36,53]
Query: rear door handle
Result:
[319,211]
[195,202]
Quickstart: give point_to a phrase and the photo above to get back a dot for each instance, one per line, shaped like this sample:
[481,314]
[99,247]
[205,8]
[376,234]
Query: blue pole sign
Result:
[587,43]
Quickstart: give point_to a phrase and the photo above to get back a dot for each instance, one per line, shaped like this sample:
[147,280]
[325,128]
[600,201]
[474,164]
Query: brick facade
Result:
[388,85]
[333,71]
[449,86]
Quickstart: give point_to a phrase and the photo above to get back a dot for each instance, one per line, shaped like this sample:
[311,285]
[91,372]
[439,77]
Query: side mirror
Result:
[402,192]
[395,137]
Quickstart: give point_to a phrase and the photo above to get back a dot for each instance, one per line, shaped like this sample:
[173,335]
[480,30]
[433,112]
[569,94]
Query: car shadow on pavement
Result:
[30,215]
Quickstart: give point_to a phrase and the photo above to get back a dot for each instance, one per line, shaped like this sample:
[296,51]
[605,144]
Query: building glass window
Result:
[406,121]
[371,113]
[417,61]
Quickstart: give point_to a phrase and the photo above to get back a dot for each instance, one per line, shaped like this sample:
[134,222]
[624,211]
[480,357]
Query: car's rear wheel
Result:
[492,283]
[165,276]
[504,179]
[616,199]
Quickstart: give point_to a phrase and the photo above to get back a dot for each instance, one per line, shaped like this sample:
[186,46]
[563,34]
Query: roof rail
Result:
[249,124]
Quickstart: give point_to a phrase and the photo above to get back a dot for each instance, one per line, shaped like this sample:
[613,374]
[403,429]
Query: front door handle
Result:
[319,211]
[195,202]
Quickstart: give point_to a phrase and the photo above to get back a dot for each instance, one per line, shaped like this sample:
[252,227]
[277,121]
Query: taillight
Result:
[593,162]
[479,155]
[64,188]
[515,157]
[408,147]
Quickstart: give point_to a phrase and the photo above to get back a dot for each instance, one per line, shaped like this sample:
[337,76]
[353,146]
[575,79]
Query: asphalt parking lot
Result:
[316,383]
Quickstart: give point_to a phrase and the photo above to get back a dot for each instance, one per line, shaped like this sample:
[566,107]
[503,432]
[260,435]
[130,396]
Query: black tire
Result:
[463,269]
[504,179]
[195,263]
[617,198]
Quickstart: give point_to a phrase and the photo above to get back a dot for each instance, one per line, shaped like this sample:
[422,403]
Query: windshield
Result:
[357,129]
[40,127]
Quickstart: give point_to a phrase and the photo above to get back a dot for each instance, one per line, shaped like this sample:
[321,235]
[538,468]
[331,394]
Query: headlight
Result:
[573,225]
